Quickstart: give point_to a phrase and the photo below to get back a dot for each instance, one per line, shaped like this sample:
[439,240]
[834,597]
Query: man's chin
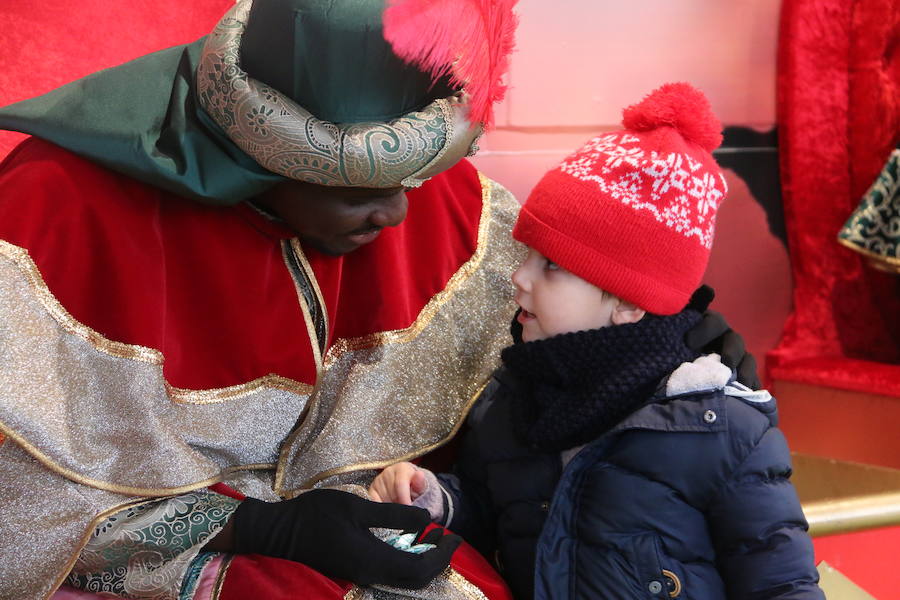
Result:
[330,248]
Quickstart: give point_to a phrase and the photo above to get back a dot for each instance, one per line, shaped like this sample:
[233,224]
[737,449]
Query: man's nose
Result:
[390,211]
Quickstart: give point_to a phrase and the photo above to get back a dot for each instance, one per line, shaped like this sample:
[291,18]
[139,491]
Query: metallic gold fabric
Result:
[63,383]
[93,426]
[286,139]
[45,519]
[386,397]
[449,585]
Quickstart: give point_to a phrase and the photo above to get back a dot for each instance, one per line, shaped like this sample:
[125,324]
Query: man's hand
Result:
[401,483]
[329,530]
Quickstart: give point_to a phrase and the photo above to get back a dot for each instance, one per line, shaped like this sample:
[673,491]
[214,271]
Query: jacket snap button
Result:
[710,416]
[655,587]
[545,506]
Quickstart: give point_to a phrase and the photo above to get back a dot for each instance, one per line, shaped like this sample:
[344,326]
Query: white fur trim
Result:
[705,373]
[739,390]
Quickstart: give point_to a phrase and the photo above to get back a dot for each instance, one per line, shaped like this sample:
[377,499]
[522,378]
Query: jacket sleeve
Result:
[758,528]
[469,510]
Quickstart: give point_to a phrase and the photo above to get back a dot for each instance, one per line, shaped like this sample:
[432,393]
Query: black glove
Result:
[712,334]
[328,530]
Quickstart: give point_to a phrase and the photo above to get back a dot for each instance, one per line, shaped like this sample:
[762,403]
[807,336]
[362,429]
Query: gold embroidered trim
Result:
[86,537]
[468,589]
[408,456]
[879,261]
[314,340]
[220,578]
[464,586]
[20,257]
[124,489]
[399,336]
[212,396]
[355,593]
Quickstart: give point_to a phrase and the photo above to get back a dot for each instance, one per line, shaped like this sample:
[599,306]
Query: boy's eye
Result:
[551,266]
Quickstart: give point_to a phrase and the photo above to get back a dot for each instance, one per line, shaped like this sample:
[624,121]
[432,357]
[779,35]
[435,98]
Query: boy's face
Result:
[555,301]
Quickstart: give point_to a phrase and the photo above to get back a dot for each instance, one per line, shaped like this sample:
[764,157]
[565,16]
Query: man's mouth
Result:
[364,237]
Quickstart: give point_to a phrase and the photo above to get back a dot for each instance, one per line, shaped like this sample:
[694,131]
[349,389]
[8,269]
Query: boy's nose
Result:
[519,278]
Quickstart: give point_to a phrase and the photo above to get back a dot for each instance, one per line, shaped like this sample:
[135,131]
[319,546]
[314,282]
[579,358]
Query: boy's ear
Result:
[626,312]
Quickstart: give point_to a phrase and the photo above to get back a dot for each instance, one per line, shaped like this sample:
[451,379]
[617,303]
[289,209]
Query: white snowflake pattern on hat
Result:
[674,187]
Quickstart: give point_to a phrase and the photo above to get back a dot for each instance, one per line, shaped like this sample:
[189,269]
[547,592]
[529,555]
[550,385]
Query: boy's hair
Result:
[633,211]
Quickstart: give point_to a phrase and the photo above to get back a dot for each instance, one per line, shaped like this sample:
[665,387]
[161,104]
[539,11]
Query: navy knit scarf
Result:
[571,388]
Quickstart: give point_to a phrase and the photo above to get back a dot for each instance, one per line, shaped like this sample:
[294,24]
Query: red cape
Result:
[207,286]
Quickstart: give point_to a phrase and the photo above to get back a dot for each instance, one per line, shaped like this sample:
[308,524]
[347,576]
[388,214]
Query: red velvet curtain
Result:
[839,119]
[49,43]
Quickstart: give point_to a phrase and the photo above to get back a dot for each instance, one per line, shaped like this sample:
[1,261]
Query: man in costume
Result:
[219,277]
[153,346]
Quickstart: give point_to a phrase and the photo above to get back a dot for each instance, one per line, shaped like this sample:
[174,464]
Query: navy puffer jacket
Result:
[687,498]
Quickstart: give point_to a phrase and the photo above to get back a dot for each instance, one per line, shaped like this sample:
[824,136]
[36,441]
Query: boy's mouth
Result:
[524,316]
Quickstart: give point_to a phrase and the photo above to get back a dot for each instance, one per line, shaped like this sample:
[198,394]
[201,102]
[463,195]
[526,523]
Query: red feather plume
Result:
[469,39]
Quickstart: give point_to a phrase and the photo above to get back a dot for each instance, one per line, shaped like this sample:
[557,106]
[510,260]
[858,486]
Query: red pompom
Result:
[678,105]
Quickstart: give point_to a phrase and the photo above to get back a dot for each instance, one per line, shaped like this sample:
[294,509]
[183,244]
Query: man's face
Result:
[336,220]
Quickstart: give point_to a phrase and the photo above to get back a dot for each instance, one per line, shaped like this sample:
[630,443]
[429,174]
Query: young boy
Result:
[605,459]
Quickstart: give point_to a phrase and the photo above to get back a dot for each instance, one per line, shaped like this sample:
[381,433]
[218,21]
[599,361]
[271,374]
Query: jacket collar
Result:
[692,399]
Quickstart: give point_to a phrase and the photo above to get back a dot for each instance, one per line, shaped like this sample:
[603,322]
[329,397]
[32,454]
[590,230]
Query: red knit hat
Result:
[633,211]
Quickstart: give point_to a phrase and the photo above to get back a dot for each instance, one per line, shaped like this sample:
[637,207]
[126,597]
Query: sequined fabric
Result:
[380,399]
[386,397]
[45,519]
[68,381]
[450,585]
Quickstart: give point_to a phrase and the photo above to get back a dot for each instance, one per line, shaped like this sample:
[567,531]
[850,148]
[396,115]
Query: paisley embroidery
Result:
[287,139]
[873,229]
[148,551]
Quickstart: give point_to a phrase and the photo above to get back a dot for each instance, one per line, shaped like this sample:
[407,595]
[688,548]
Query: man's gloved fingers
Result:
[431,563]
[432,537]
[709,329]
[701,298]
[386,565]
[448,543]
[389,515]
[733,350]
[746,373]
[437,559]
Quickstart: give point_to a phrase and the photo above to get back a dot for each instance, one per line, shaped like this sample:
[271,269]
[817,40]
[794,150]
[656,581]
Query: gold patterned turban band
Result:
[288,140]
